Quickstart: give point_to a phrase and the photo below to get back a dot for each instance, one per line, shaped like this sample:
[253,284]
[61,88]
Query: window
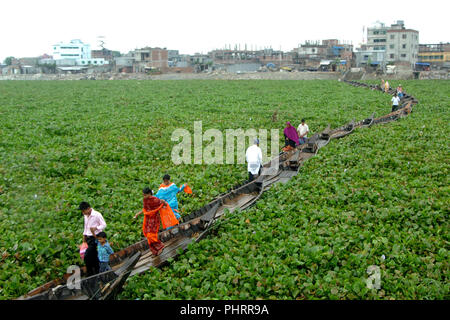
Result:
[392,36]
[403,36]
[403,46]
[391,46]
[83,62]
[391,56]
[379,40]
[403,55]
[95,61]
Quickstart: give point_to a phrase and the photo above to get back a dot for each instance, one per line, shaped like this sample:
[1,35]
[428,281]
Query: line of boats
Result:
[137,258]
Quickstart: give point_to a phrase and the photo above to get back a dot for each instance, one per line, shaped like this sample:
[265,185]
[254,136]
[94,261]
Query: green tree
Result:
[8,61]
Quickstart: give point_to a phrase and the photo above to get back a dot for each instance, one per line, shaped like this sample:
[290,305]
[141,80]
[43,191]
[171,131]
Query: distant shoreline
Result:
[226,76]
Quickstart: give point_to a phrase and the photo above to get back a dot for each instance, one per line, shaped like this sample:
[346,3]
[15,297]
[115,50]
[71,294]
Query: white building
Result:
[393,44]
[75,53]
[402,44]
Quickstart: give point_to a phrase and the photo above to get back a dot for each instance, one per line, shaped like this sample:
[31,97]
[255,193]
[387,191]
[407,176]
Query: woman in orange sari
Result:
[155,210]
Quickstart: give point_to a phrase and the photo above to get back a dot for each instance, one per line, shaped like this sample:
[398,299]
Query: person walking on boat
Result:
[93,225]
[253,156]
[155,211]
[386,86]
[168,191]
[303,130]
[400,91]
[395,101]
[104,251]
[290,137]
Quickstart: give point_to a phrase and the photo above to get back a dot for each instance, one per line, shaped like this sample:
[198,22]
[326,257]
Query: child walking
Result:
[104,250]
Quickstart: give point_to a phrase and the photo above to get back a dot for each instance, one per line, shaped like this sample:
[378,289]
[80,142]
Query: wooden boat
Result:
[342,131]
[102,286]
[393,116]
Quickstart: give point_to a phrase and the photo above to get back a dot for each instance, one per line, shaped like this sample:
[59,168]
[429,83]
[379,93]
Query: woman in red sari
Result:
[155,209]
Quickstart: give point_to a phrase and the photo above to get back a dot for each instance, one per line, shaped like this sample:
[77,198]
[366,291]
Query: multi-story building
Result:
[368,56]
[103,53]
[75,52]
[434,55]
[377,37]
[150,58]
[402,45]
[394,44]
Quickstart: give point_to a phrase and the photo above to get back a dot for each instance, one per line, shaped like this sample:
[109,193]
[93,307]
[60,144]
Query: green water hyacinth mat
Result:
[380,192]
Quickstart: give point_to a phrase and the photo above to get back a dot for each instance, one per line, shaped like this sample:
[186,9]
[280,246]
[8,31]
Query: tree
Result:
[8,61]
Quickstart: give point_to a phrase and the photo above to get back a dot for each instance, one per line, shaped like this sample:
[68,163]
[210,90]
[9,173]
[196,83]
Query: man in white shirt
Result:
[395,100]
[302,130]
[253,155]
[93,225]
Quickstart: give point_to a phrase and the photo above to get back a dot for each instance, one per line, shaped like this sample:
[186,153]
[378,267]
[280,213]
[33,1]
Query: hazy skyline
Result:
[30,28]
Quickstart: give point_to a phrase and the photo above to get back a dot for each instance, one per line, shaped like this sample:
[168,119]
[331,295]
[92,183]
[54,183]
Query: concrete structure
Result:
[312,53]
[103,53]
[124,63]
[75,53]
[434,55]
[389,45]
[242,67]
[402,45]
[368,56]
[147,58]
[377,37]
[75,49]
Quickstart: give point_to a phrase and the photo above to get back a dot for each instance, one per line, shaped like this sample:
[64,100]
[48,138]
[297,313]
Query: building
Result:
[434,55]
[318,54]
[388,45]
[373,52]
[103,53]
[402,45]
[75,53]
[124,63]
[368,56]
[75,50]
[147,59]
[377,37]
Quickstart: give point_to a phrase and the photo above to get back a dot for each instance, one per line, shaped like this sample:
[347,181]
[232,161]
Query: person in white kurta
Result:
[253,156]
[302,130]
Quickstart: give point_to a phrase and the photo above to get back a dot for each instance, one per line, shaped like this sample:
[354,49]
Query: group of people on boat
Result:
[294,137]
[398,95]
[158,208]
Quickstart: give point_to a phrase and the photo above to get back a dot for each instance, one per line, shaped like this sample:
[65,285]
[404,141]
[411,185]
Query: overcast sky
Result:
[30,28]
